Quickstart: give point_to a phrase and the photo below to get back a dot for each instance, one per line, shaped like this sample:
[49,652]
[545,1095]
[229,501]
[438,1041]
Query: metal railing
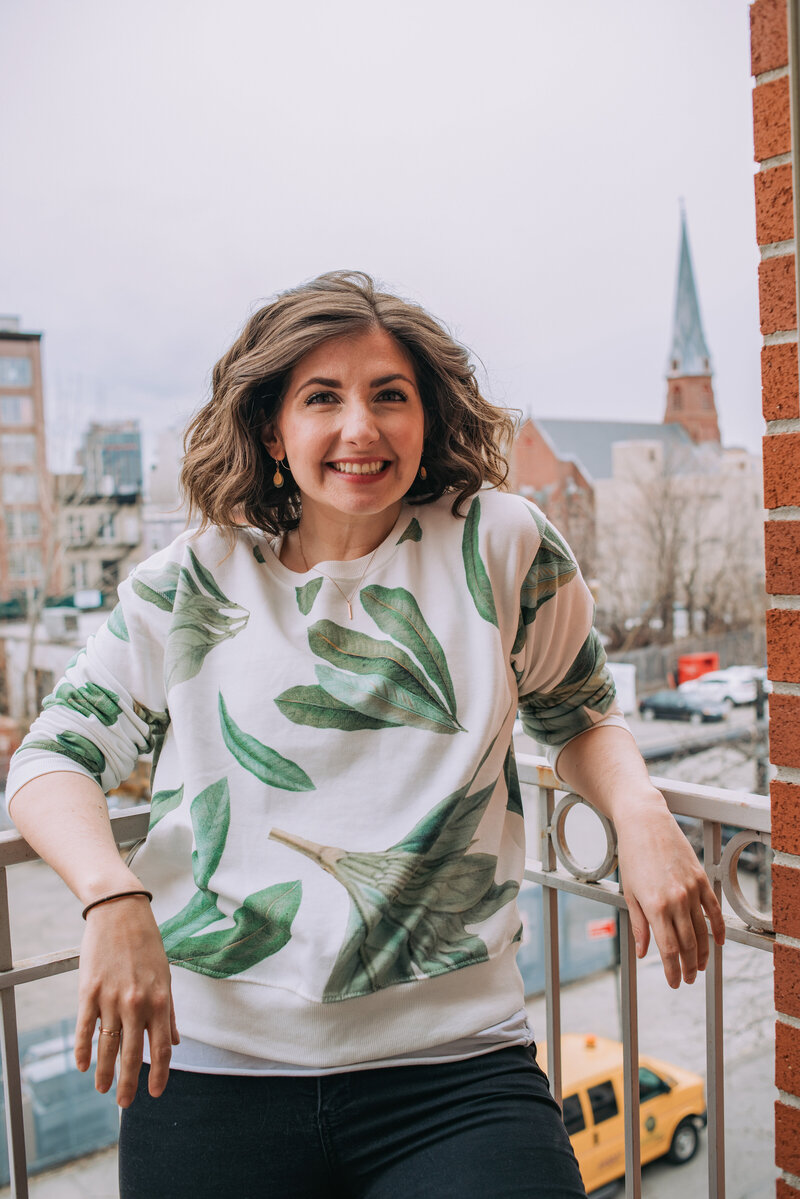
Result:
[556,870]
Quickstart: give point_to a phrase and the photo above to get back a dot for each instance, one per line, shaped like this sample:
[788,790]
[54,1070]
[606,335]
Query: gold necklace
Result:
[347,598]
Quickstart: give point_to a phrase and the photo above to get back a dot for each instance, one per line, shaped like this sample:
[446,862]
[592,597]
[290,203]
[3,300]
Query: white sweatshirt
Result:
[336,839]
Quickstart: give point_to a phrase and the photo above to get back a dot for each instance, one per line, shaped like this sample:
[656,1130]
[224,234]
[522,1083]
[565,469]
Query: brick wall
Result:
[772,137]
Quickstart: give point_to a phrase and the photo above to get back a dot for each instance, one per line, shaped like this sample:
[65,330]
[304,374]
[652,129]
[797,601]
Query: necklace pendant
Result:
[349,610]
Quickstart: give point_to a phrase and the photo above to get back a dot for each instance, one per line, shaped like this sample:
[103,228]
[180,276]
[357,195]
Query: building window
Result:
[18,449]
[20,488]
[16,410]
[25,563]
[79,576]
[107,530]
[76,529]
[20,526]
[15,372]
[677,398]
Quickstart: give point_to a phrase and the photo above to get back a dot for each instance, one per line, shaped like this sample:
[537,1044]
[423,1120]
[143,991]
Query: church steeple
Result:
[690,395]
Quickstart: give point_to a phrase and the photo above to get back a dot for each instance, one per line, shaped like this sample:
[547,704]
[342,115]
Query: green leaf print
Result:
[116,624]
[258,555]
[551,569]
[396,612]
[262,926]
[307,594]
[362,654]
[378,697]
[164,802]
[313,706]
[158,586]
[74,746]
[157,725]
[211,818]
[89,700]
[410,905]
[197,914]
[202,618]
[512,783]
[265,763]
[412,532]
[555,716]
[477,579]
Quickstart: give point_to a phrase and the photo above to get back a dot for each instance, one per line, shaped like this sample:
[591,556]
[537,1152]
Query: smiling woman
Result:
[328,673]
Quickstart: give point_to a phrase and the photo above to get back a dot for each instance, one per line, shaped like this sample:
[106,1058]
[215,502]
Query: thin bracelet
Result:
[117,895]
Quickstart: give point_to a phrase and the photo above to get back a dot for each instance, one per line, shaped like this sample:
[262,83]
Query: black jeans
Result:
[484,1128]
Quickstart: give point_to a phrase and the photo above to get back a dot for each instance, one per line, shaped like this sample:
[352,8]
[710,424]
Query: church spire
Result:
[690,396]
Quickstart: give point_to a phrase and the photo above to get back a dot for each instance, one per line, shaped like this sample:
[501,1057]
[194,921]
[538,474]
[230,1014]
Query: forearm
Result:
[604,766]
[64,817]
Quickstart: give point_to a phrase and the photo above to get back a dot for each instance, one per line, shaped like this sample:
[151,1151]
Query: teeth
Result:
[358,468]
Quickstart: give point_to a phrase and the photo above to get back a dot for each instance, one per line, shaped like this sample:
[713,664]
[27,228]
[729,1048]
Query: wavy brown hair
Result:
[227,472]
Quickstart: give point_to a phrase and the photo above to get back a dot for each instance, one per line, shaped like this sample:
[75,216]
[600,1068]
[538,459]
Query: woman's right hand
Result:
[124,982]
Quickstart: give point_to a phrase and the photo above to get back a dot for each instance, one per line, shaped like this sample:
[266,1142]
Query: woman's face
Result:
[351,426]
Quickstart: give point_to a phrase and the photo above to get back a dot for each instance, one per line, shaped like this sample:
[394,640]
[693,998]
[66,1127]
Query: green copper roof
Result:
[689,354]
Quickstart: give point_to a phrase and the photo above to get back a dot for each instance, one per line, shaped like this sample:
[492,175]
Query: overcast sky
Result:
[516,166]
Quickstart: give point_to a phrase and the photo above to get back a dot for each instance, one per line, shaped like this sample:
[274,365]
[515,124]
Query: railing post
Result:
[552,980]
[12,1078]
[715,1074]
[630,1057]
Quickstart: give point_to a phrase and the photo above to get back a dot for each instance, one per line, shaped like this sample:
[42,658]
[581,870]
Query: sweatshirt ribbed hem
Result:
[272,1023]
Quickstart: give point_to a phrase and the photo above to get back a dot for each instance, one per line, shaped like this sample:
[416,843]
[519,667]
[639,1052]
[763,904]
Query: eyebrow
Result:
[319,381]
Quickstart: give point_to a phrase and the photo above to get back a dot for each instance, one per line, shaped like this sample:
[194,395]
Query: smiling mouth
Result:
[358,468]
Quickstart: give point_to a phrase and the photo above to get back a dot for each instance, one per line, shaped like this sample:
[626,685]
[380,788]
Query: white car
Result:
[736,685]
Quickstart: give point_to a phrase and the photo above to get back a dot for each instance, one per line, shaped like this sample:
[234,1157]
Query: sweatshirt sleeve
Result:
[565,686]
[110,706]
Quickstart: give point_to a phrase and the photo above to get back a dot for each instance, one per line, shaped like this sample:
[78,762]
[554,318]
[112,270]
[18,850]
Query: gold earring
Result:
[423,474]
[277,478]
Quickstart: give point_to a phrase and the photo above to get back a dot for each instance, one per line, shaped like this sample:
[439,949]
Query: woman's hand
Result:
[666,888]
[124,982]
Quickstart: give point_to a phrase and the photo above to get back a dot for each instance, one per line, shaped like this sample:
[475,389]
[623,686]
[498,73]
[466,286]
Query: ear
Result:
[272,442]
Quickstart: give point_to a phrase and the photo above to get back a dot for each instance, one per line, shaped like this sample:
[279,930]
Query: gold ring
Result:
[111,1032]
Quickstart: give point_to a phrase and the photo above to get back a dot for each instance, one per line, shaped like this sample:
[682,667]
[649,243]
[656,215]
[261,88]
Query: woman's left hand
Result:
[666,888]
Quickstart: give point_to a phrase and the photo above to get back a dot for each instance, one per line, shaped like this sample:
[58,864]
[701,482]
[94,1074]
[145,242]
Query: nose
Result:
[359,425]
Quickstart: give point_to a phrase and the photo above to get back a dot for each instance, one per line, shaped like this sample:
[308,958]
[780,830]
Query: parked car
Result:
[681,705]
[722,686]
[672,1108]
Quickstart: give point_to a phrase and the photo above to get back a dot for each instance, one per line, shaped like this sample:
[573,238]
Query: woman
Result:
[328,674]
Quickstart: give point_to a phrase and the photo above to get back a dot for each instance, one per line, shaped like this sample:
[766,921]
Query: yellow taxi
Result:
[672,1107]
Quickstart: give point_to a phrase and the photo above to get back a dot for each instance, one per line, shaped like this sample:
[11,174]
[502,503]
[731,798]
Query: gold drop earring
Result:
[277,478]
[423,474]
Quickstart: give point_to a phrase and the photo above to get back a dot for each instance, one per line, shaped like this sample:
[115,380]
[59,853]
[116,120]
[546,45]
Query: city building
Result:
[99,538]
[111,458]
[664,518]
[24,483]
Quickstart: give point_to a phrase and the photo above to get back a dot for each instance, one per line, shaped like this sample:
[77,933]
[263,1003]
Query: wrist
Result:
[108,883]
[117,897]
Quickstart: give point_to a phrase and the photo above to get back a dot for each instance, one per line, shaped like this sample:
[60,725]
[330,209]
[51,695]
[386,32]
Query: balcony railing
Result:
[556,870]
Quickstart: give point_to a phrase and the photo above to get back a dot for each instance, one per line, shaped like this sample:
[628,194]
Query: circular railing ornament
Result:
[729,875]
[585,874]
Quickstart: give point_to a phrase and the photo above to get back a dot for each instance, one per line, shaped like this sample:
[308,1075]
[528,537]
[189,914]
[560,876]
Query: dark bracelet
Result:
[117,895]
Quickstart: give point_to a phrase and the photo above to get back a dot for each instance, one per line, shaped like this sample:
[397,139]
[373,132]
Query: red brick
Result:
[787,1058]
[772,127]
[781,470]
[783,1190]
[783,645]
[786,900]
[784,730]
[782,556]
[787,980]
[779,379]
[776,291]
[786,827]
[774,215]
[769,36]
[787,1137]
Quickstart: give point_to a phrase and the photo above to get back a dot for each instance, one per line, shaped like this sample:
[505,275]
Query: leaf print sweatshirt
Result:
[336,838]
